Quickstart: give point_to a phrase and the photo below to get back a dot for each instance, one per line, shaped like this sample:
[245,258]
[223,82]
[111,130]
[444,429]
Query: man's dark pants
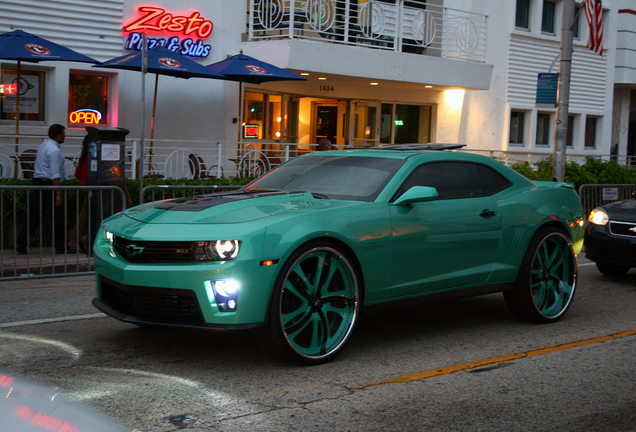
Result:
[48,203]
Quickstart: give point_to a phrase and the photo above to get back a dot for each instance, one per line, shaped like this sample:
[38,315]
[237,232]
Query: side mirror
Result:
[417,194]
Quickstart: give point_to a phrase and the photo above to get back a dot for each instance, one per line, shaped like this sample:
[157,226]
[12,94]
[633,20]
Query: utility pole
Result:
[563,92]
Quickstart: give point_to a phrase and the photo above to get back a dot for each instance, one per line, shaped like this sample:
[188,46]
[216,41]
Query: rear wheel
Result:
[612,269]
[315,304]
[547,280]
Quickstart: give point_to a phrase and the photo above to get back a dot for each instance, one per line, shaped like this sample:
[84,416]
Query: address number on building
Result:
[326,88]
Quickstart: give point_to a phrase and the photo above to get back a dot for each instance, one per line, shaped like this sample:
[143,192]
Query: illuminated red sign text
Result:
[158,19]
[86,116]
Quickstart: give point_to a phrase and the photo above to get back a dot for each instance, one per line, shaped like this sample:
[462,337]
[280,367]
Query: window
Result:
[522,15]
[516,127]
[253,106]
[548,17]
[569,140]
[576,30]
[493,181]
[412,124]
[451,179]
[87,99]
[31,91]
[543,129]
[590,132]
[405,124]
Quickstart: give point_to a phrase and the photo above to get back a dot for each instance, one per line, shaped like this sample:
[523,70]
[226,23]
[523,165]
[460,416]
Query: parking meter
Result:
[105,163]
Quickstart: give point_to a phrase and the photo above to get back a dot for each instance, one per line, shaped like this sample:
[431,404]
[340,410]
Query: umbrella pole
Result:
[152,120]
[240,104]
[17,123]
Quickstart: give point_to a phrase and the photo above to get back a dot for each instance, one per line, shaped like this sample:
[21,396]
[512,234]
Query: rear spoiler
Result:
[546,184]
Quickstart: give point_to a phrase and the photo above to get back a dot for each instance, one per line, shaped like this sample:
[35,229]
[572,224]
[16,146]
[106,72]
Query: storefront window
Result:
[274,113]
[385,124]
[87,99]
[31,90]
[253,115]
[412,124]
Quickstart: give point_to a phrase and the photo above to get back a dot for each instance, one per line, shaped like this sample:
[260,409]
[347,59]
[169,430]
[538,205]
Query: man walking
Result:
[48,171]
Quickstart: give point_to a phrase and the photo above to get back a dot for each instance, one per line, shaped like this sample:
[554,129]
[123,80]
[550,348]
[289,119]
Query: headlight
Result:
[224,292]
[216,250]
[598,217]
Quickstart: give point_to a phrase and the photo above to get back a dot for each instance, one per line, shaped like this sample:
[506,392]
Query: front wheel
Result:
[314,305]
[612,269]
[546,283]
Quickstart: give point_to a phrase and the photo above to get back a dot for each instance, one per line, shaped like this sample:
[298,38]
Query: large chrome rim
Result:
[553,275]
[319,302]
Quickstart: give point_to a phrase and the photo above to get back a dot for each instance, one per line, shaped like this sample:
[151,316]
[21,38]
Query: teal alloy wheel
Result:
[547,281]
[315,304]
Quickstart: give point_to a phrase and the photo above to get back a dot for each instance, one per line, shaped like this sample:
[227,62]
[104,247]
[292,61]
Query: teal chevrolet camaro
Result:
[303,250]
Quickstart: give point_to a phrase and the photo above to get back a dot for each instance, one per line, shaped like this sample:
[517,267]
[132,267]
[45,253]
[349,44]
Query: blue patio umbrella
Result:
[161,61]
[21,46]
[243,68]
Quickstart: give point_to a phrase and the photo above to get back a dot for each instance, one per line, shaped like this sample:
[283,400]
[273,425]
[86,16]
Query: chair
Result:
[27,163]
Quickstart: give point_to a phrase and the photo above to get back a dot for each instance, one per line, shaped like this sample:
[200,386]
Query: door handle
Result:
[487,213]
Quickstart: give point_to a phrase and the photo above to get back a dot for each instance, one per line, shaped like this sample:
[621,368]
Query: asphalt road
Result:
[465,365]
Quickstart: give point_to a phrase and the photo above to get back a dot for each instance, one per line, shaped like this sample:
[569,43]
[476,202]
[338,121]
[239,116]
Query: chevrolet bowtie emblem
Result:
[633,229]
[133,249]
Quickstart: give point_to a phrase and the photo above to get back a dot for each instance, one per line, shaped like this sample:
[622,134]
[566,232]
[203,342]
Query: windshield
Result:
[333,177]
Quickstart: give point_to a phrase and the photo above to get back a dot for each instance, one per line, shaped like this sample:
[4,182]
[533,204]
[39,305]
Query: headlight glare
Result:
[216,250]
[598,217]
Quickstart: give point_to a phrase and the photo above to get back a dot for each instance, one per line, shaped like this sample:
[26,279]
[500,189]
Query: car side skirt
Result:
[410,302]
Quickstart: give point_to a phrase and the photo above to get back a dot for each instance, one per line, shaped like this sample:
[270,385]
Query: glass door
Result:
[365,127]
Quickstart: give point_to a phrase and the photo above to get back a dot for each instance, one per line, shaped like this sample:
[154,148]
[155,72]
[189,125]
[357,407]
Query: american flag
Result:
[594,15]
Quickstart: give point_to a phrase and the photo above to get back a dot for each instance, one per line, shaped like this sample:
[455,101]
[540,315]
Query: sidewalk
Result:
[43,262]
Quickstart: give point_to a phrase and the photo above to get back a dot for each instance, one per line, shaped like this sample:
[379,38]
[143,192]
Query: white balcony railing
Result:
[400,25]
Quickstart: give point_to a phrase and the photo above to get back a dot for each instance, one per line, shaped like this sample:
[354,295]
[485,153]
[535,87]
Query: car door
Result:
[449,242]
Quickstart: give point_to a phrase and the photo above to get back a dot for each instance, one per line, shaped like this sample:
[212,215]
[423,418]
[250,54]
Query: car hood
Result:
[622,210]
[230,207]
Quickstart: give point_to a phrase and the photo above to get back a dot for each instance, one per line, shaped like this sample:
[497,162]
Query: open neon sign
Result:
[155,19]
[85,116]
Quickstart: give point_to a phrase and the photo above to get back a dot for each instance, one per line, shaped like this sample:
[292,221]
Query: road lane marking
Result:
[435,373]
[50,320]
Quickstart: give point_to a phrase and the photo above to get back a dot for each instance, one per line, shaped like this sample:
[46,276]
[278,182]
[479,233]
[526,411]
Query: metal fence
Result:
[18,204]
[595,195]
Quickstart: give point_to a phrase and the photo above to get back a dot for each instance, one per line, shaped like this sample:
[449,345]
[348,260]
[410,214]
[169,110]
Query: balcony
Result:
[402,26]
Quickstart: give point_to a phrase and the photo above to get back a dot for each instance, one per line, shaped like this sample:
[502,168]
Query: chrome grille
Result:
[623,228]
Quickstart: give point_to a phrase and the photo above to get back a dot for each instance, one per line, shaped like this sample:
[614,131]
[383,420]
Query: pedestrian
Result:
[324,144]
[48,170]
[81,173]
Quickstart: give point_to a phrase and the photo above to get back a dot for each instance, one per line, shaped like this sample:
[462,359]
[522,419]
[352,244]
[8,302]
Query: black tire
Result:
[547,279]
[612,269]
[314,305]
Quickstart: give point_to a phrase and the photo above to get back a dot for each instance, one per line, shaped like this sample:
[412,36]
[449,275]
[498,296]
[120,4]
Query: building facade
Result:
[378,72]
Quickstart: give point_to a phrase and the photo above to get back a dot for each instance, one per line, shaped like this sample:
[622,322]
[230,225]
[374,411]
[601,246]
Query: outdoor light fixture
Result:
[223,292]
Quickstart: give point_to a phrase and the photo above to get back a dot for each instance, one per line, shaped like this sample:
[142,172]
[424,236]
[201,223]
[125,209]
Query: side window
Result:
[451,179]
[493,181]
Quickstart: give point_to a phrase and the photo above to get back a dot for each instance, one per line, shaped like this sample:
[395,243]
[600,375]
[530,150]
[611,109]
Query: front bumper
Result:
[606,248]
[179,294]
